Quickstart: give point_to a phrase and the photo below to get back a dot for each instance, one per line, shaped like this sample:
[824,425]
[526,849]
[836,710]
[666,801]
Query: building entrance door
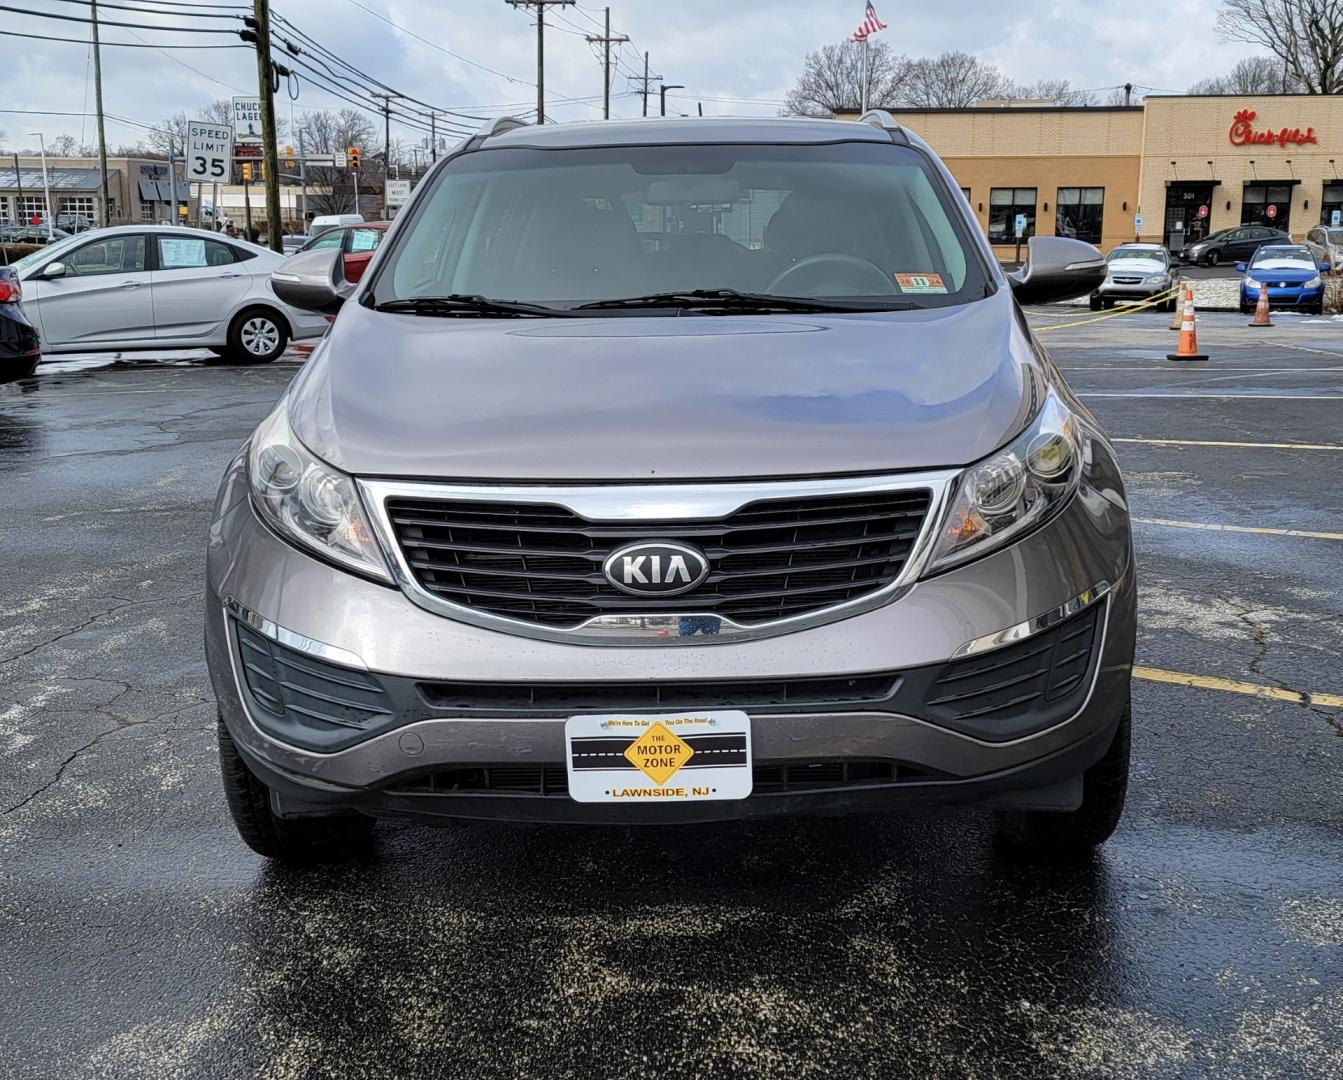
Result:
[1184,200]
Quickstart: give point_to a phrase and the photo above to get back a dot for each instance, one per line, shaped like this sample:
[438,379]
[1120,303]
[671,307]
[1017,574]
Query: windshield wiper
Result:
[732,299]
[467,304]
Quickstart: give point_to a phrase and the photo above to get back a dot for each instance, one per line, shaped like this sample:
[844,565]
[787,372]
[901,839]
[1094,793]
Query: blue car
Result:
[1291,274]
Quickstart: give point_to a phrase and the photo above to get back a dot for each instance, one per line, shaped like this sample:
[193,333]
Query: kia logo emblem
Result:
[655,569]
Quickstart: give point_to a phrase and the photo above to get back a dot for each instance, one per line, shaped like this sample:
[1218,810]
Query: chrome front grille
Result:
[770,559]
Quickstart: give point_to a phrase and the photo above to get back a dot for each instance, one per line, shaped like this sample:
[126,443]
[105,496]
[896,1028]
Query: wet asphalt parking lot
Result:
[140,939]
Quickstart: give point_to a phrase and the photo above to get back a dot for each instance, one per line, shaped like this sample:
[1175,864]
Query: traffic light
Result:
[288,157]
[352,157]
[246,172]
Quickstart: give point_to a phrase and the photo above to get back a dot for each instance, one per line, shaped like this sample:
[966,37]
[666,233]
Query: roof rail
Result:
[879,118]
[499,125]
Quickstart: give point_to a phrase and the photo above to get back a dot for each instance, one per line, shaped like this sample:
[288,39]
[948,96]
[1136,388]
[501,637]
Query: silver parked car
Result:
[1134,273]
[667,471]
[160,287]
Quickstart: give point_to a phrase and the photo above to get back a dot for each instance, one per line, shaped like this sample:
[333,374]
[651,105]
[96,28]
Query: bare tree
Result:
[1253,75]
[831,79]
[333,133]
[954,80]
[1054,91]
[1305,36]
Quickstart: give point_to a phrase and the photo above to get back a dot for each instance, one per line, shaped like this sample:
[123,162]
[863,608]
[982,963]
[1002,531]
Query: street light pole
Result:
[665,88]
[46,185]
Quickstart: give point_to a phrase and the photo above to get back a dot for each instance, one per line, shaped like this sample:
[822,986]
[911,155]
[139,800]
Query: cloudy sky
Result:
[734,56]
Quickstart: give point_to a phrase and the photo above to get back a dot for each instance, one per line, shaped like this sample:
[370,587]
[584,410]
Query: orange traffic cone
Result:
[1177,309]
[1261,309]
[1188,347]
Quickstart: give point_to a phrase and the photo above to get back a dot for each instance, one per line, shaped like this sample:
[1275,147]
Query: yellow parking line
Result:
[1258,531]
[1208,682]
[1246,445]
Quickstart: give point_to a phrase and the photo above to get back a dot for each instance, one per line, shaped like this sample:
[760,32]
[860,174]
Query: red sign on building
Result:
[1243,133]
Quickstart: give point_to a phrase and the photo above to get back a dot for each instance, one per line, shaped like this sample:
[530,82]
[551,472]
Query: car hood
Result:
[1281,273]
[1134,267]
[662,398]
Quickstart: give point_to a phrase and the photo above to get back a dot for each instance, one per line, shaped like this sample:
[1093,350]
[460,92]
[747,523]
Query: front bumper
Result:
[1110,290]
[933,758]
[1293,296]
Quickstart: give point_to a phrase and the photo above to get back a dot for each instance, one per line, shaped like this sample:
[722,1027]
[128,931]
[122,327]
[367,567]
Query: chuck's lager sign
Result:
[1243,133]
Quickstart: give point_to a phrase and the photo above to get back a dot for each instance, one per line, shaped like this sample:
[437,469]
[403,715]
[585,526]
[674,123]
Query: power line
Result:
[152,11]
[102,22]
[121,44]
[436,45]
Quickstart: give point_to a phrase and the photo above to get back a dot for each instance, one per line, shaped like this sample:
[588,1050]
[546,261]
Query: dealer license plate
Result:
[675,757]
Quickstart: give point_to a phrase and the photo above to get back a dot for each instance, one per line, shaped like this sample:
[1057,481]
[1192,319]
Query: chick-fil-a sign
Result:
[1242,133]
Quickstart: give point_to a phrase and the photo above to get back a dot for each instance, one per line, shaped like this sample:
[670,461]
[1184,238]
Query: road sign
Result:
[247,117]
[209,151]
[1137,223]
[247,150]
[1203,210]
[1272,211]
[1335,219]
[1021,225]
[398,193]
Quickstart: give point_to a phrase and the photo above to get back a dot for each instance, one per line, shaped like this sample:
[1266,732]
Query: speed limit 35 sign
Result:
[209,151]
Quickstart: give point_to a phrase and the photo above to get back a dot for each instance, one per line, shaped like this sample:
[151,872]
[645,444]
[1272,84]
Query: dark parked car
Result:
[20,350]
[1232,245]
[598,506]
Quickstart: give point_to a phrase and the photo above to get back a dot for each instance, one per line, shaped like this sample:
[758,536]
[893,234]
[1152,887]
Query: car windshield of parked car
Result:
[1155,256]
[862,221]
[50,253]
[1283,258]
[1335,236]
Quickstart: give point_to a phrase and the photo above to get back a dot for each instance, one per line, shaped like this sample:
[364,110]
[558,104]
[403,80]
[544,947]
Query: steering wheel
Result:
[882,284]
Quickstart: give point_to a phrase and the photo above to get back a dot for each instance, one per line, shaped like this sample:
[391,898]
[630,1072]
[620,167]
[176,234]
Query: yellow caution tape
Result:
[1159,298]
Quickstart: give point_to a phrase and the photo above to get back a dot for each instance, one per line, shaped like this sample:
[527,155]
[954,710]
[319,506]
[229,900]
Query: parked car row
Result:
[31,234]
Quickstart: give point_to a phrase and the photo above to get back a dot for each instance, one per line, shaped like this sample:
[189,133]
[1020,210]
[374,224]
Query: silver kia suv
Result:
[675,471]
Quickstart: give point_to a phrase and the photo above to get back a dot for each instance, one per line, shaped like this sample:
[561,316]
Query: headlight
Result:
[1313,283]
[307,501]
[1155,279]
[1252,283]
[1021,486]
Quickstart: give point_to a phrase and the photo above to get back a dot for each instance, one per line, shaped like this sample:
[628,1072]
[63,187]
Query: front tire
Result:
[1212,258]
[1096,303]
[300,841]
[1040,835]
[257,336]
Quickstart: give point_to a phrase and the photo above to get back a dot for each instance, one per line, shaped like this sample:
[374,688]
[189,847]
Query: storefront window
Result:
[32,209]
[78,204]
[1004,206]
[146,210]
[1079,212]
[1333,200]
[1267,204]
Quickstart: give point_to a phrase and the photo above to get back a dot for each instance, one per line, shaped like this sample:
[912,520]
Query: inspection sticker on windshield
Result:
[920,283]
[677,757]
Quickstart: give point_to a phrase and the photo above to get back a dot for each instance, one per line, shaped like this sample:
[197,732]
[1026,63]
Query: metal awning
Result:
[57,179]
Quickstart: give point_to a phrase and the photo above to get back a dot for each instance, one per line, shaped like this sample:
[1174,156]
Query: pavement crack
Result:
[93,619]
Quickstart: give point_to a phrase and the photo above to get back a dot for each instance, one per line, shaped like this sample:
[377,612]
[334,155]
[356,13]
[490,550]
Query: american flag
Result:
[870,24]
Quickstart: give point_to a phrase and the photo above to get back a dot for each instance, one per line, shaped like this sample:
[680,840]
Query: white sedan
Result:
[160,287]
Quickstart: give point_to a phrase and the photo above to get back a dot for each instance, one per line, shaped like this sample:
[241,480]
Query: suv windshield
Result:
[867,223]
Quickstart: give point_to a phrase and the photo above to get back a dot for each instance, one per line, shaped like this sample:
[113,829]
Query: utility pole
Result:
[433,135]
[105,214]
[267,72]
[648,80]
[541,6]
[386,144]
[606,41]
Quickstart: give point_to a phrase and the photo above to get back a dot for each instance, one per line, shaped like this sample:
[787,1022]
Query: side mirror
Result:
[52,270]
[1057,268]
[1325,268]
[312,281]
[1240,268]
